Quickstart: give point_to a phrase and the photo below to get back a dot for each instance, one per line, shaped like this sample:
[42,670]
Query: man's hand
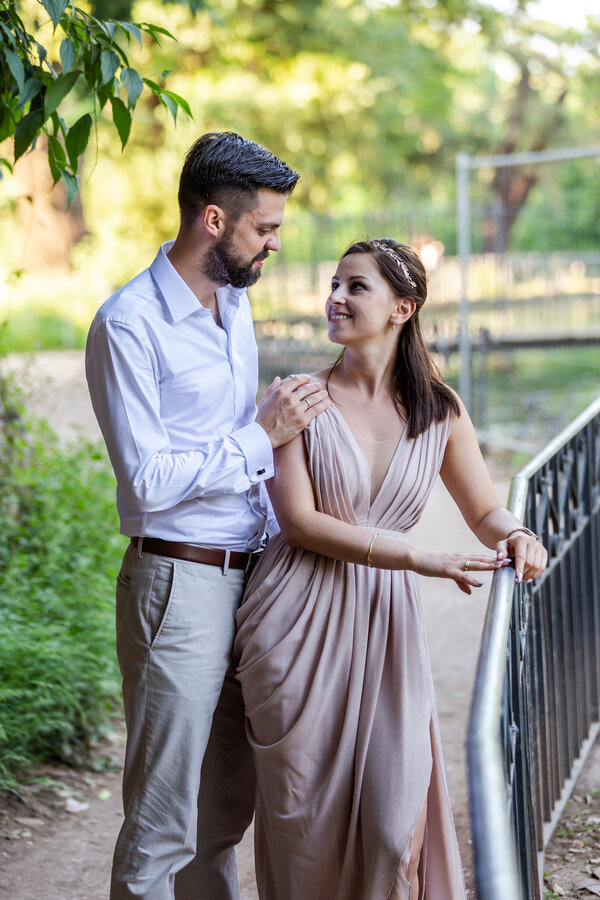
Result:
[289,405]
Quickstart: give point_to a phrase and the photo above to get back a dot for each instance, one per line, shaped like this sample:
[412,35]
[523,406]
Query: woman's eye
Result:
[357,285]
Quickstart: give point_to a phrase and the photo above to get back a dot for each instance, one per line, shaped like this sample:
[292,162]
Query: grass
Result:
[60,549]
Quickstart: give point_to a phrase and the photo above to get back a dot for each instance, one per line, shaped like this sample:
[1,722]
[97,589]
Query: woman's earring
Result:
[393,326]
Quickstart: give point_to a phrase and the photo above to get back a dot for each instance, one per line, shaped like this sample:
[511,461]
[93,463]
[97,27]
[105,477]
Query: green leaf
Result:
[77,139]
[58,90]
[169,104]
[9,35]
[59,123]
[58,151]
[68,54]
[109,63]
[5,162]
[102,97]
[55,9]
[15,64]
[31,89]
[121,118]
[71,185]
[133,84]
[154,87]
[42,53]
[154,30]
[131,29]
[7,124]
[181,102]
[26,131]
[56,157]
[101,25]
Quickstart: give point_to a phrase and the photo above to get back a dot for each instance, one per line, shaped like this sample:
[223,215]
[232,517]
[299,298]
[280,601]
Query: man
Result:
[171,363]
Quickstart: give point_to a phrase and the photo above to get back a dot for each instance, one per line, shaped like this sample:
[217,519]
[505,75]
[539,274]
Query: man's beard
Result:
[222,266]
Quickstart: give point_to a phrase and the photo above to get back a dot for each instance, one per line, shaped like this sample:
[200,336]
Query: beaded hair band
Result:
[399,262]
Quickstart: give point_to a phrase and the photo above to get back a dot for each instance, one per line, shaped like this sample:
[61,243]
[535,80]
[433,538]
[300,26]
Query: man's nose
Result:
[273,242]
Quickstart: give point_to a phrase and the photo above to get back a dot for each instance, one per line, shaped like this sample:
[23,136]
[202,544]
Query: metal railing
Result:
[535,708]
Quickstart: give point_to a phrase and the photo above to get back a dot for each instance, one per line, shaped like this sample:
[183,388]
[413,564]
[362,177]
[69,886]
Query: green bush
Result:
[59,553]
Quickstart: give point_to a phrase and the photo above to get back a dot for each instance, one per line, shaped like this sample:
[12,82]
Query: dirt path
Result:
[61,855]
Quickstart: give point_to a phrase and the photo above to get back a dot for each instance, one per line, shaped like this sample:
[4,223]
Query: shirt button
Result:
[261,472]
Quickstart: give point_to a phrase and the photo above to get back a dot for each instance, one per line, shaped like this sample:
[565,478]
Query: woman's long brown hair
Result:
[419,389]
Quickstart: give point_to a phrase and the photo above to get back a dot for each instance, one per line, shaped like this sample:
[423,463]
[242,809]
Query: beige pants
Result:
[188,782]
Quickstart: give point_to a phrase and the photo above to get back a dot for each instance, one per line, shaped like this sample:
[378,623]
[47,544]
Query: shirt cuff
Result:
[254,443]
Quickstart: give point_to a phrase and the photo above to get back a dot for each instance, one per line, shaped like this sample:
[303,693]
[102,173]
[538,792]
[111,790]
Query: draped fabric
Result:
[335,672]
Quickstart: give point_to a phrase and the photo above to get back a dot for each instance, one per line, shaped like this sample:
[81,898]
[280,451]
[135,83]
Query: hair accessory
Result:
[370,552]
[399,262]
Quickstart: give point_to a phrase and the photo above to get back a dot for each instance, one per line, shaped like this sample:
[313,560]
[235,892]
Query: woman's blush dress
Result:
[335,672]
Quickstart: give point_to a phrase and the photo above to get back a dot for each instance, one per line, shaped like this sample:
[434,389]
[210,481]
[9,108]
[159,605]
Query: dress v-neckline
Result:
[364,458]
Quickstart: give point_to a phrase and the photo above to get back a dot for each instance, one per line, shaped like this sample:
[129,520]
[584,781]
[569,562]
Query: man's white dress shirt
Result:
[175,397]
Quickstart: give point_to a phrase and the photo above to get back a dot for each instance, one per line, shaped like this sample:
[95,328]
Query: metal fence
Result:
[535,708]
[525,389]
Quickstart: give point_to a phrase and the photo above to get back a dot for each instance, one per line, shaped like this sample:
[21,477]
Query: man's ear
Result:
[214,220]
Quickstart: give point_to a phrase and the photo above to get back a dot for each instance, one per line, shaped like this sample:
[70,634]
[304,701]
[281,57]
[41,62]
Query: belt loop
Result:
[140,551]
[225,566]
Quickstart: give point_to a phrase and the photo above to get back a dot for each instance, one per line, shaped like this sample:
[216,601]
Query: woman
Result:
[352,800]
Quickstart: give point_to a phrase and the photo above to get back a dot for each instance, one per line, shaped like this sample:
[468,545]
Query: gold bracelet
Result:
[525,530]
[370,551]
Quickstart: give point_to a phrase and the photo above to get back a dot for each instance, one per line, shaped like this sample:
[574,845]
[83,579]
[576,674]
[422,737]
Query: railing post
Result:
[463,227]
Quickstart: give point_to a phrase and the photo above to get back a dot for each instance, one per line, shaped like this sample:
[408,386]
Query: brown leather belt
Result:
[204,555]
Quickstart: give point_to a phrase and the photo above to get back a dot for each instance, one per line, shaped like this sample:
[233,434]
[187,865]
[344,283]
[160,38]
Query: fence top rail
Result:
[464,161]
[519,481]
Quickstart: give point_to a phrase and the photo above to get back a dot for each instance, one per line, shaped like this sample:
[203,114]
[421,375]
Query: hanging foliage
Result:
[93,61]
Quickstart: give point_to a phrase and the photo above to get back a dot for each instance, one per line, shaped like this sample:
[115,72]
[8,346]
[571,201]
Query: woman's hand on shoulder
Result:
[529,554]
[460,567]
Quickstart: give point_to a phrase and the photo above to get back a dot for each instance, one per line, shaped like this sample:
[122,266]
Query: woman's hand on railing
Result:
[460,567]
[530,556]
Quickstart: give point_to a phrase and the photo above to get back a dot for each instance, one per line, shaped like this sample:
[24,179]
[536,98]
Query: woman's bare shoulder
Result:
[322,375]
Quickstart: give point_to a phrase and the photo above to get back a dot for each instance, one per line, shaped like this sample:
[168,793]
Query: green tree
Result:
[92,60]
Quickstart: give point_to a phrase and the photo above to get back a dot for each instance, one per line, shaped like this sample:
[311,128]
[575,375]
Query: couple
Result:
[340,746]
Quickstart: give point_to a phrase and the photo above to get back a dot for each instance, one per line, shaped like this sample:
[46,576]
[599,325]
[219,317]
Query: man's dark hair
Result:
[227,169]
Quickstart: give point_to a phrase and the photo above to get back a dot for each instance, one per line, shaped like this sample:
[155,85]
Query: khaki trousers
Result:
[188,781]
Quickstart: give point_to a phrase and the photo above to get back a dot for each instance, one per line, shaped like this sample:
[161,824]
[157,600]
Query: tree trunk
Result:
[512,185]
[50,230]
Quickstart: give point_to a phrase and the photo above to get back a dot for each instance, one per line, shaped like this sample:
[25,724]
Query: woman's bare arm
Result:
[466,476]
[302,525]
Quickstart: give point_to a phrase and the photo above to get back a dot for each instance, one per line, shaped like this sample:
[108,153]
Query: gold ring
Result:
[467,564]
[307,403]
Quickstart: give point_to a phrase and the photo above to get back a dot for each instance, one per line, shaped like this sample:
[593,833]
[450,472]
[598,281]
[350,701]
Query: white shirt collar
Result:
[179,299]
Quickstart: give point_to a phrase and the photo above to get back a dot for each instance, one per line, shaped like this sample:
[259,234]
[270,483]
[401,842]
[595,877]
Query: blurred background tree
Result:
[369,99]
